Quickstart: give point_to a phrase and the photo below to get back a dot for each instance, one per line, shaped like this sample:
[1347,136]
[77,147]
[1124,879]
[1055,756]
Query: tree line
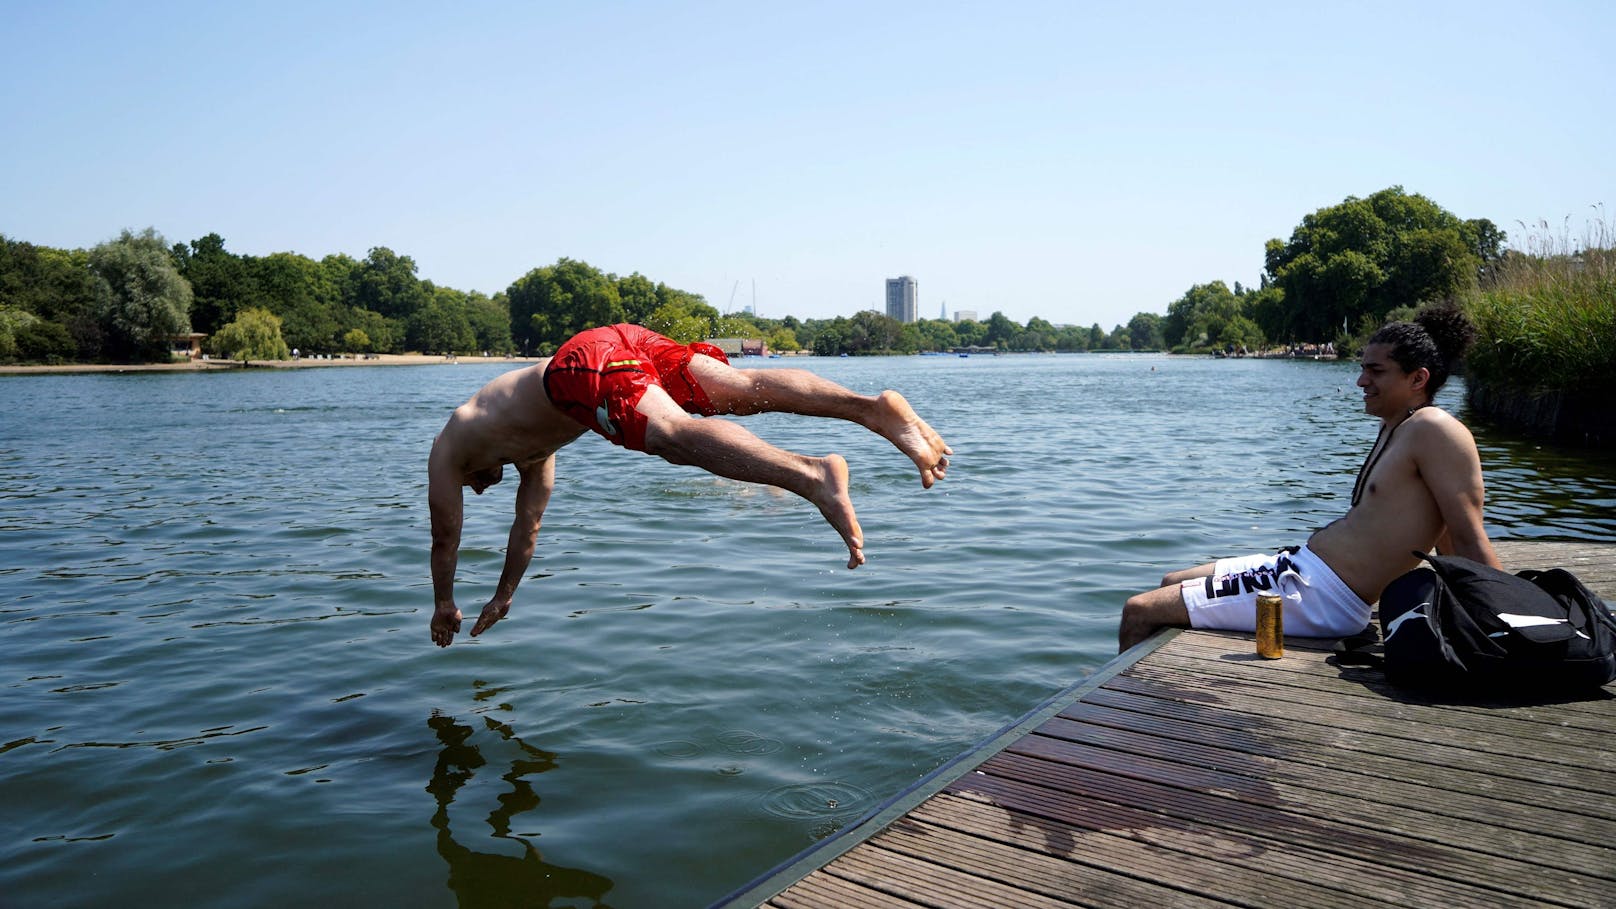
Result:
[129,298]
[1344,269]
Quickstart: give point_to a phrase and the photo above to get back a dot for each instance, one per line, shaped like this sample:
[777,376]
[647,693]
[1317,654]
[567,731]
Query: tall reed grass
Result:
[1546,315]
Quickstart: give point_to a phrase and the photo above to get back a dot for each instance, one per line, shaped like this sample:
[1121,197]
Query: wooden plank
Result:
[1343,866]
[1326,668]
[1260,696]
[1456,794]
[1268,694]
[1376,806]
[1187,857]
[826,891]
[1593,563]
[1329,745]
[1594,709]
[1033,870]
[1294,828]
[931,884]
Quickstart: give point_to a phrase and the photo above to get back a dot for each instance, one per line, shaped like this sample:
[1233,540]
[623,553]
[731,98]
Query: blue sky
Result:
[1076,161]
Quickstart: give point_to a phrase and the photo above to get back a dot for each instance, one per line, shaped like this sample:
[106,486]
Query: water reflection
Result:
[484,879]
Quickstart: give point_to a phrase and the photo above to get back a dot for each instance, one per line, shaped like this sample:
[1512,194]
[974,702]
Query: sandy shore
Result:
[303,363]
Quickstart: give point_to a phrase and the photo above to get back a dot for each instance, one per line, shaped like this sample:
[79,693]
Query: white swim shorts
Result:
[1318,604]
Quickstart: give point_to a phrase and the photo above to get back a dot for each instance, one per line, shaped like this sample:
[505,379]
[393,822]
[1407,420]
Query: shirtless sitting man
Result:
[639,389]
[1419,487]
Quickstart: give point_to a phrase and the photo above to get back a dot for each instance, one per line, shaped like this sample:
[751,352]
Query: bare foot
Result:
[898,423]
[834,502]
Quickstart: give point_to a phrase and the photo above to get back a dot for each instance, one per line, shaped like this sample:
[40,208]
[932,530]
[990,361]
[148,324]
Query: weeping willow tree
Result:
[254,335]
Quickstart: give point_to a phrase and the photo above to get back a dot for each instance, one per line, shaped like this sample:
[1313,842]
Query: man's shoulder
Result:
[1433,432]
[1433,420]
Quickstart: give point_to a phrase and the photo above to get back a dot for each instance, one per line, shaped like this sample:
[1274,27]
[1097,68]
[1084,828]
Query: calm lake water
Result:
[219,688]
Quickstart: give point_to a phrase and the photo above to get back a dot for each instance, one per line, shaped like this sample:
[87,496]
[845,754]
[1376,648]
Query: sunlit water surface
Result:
[219,688]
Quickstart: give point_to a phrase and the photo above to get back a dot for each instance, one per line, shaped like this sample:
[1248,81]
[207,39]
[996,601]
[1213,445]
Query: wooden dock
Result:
[1187,772]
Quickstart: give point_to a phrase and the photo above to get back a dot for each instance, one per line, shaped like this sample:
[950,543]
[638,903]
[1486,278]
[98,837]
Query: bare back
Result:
[508,421]
[1425,484]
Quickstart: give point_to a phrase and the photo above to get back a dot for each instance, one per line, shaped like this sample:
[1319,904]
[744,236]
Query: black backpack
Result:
[1461,624]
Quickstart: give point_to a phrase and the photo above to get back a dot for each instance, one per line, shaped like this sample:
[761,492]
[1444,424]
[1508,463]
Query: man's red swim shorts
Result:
[598,376]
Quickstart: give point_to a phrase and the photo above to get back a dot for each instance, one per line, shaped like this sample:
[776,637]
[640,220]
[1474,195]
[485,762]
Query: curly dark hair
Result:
[1437,340]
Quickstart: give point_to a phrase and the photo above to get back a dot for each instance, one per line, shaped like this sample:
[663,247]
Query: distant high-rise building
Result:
[943,312]
[903,297]
[964,315]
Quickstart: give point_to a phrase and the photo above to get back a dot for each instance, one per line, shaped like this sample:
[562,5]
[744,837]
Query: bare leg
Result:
[1163,607]
[730,450]
[1148,612]
[1173,579]
[799,391]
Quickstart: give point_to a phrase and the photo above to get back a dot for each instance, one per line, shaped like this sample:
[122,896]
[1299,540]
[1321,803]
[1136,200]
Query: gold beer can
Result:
[1270,626]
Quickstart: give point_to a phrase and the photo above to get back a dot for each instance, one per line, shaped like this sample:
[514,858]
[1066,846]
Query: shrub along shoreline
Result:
[1545,357]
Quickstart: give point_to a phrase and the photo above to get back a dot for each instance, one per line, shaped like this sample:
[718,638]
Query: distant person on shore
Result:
[1420,486]
[639,390]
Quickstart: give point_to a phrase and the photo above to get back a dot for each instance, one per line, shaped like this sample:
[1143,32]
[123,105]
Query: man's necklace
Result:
[1375,452]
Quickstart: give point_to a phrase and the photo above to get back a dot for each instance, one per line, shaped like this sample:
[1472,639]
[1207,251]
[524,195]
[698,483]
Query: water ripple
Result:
[218,636]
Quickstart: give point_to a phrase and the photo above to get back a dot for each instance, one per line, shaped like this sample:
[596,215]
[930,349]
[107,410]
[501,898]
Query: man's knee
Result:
[1155,609]
[665,425]
[1136,613]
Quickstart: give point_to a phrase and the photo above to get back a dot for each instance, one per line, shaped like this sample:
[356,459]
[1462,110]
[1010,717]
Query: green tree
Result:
[490,320]
[1363,257]
[679,323]
[1241,332]
[871,332]
[971,333]
[782,339]
[1145,332]
[386,283]
[300,291]
[143,300]
[1038,335]
[441,325]
[12,321]
[551,304]
[1072,338]
[937,334]
[40,341]
[830,338]
[255,334]
[1195,320]
[384,335]
[1001,331]
[58,287]
[737,325]
[342,276]
[1266,307]
[221,281]
[355,341]
[638,296]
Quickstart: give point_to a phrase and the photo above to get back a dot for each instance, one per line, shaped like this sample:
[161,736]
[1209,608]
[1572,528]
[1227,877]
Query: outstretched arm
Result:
[1451,468]
[532,496]
[446,501]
